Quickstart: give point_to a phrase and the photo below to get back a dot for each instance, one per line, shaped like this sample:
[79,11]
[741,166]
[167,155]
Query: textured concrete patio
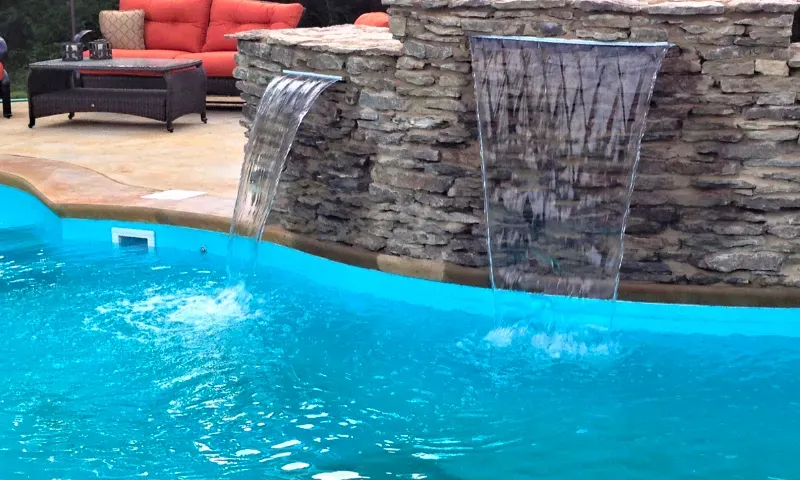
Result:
[135,151]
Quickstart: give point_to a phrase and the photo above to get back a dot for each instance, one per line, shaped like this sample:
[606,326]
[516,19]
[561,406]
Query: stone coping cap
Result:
[342,39]
[654,7]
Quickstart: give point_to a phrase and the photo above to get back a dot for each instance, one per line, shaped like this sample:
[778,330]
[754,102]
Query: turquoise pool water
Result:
[121,363]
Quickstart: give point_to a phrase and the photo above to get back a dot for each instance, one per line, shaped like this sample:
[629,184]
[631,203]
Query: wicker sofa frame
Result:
[214,86]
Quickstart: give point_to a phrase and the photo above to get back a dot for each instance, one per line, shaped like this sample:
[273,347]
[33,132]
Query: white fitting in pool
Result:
[121,233]
[173,195]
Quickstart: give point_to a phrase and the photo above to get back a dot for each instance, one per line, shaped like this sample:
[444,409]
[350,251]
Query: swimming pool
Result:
[125,362]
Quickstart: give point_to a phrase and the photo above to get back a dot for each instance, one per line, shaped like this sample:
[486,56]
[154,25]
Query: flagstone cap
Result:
[341,39]
[622,6]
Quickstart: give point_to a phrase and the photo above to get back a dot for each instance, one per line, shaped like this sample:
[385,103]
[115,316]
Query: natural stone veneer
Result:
[389,160]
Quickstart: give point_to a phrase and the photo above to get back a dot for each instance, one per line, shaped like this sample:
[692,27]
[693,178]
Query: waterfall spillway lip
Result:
[572,41]
[310,74]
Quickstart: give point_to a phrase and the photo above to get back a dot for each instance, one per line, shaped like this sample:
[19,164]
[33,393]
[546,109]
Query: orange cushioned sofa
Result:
[196,29]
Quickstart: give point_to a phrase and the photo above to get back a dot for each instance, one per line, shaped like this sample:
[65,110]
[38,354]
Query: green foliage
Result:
[34,29]
[17,90]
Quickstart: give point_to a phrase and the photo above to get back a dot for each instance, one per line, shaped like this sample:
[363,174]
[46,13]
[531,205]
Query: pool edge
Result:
[33,176]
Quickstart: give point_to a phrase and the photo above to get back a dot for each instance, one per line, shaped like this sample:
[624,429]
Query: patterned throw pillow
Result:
[123,29]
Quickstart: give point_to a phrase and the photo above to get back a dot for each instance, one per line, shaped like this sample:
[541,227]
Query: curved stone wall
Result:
[389,160]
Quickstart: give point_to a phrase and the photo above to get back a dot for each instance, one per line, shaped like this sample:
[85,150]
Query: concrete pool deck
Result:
[136,151]
[100,166]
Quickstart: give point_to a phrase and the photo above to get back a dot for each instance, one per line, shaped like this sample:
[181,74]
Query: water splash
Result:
[161,315]
[283,105]
[207,311]
[560,126]
[554,343]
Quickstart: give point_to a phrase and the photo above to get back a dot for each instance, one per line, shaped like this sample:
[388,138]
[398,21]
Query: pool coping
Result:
[71,191]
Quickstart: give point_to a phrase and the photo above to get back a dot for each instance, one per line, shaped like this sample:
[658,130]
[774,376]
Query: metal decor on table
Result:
[53,89]
[71,52]
[100,50]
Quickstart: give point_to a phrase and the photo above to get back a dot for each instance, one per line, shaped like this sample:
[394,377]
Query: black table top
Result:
[119,64]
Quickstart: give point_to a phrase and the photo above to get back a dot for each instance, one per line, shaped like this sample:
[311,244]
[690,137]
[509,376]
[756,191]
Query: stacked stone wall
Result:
[389,160]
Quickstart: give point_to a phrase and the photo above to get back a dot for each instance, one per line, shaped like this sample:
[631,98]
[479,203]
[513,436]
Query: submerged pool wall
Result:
[22,212]
[390,161]
[569,314]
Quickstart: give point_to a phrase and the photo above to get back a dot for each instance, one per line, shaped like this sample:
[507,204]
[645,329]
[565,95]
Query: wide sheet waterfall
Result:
[560,127]
[285,102]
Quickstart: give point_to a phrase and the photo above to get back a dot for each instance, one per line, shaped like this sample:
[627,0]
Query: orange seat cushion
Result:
[232,16]
[216,64]
[172,24]
[373,19]
[122,53]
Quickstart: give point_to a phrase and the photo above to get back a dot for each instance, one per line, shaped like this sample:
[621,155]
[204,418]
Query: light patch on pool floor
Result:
[341,475]
[277,455]
[295,466]
[426,456]
[290,443]
[247,451]
[201,447]
[173,195]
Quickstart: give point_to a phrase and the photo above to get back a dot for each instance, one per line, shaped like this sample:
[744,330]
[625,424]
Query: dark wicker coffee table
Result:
[54,87]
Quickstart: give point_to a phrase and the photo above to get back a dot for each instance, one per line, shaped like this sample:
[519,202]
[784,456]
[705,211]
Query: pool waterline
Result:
[629,316]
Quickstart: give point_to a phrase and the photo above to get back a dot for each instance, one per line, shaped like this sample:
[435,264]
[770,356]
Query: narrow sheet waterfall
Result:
[285,102]
[560,126]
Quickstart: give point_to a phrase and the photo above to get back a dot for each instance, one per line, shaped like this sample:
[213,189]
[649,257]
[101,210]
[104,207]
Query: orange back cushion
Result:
[232,16]
[172,24]
[373,19]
